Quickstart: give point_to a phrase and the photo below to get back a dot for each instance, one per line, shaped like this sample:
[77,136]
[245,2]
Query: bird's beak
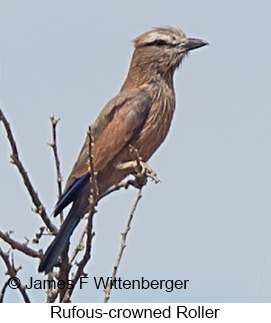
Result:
[193,43]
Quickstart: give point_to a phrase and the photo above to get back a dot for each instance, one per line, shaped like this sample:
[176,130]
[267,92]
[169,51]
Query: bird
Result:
[139,115]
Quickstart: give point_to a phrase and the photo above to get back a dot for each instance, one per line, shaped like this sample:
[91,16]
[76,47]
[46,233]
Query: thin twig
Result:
[114,188]
[3,291]
[107,291]
[79,247]
[88,229]
[53,144]
[19,246]
[110,190]
[65,265]
[94,192]
[93,198]
[12,272]
[40,209]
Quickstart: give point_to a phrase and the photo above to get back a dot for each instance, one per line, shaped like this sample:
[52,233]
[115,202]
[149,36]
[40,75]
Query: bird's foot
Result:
[142,171]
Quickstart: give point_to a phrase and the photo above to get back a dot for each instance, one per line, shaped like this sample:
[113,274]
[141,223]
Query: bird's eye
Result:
[158,43]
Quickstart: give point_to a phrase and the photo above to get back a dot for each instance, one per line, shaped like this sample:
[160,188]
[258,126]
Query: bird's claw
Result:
[142,171]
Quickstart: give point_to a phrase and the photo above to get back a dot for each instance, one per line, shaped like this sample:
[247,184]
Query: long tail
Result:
[57,246]
[78,193]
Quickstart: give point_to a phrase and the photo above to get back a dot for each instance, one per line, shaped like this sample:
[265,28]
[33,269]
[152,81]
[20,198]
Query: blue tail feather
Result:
[71,194]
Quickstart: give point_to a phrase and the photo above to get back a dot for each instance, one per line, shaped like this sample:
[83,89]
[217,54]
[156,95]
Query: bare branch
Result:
[19,246]
[123,245]
[40,209]
[79,247]
[142,173]
[12,272]
[3,291]
[114,188]
[94,192]
[93,180]
[65,264]
[57,160]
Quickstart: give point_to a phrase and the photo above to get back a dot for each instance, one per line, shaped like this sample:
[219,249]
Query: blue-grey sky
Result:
[209,220]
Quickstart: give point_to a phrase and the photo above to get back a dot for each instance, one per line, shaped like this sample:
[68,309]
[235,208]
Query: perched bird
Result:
[139,115]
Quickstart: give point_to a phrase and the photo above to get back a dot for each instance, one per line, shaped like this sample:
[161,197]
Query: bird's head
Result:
[161,50]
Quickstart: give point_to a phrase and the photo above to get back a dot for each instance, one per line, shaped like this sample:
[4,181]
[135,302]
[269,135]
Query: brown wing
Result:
[115,127]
